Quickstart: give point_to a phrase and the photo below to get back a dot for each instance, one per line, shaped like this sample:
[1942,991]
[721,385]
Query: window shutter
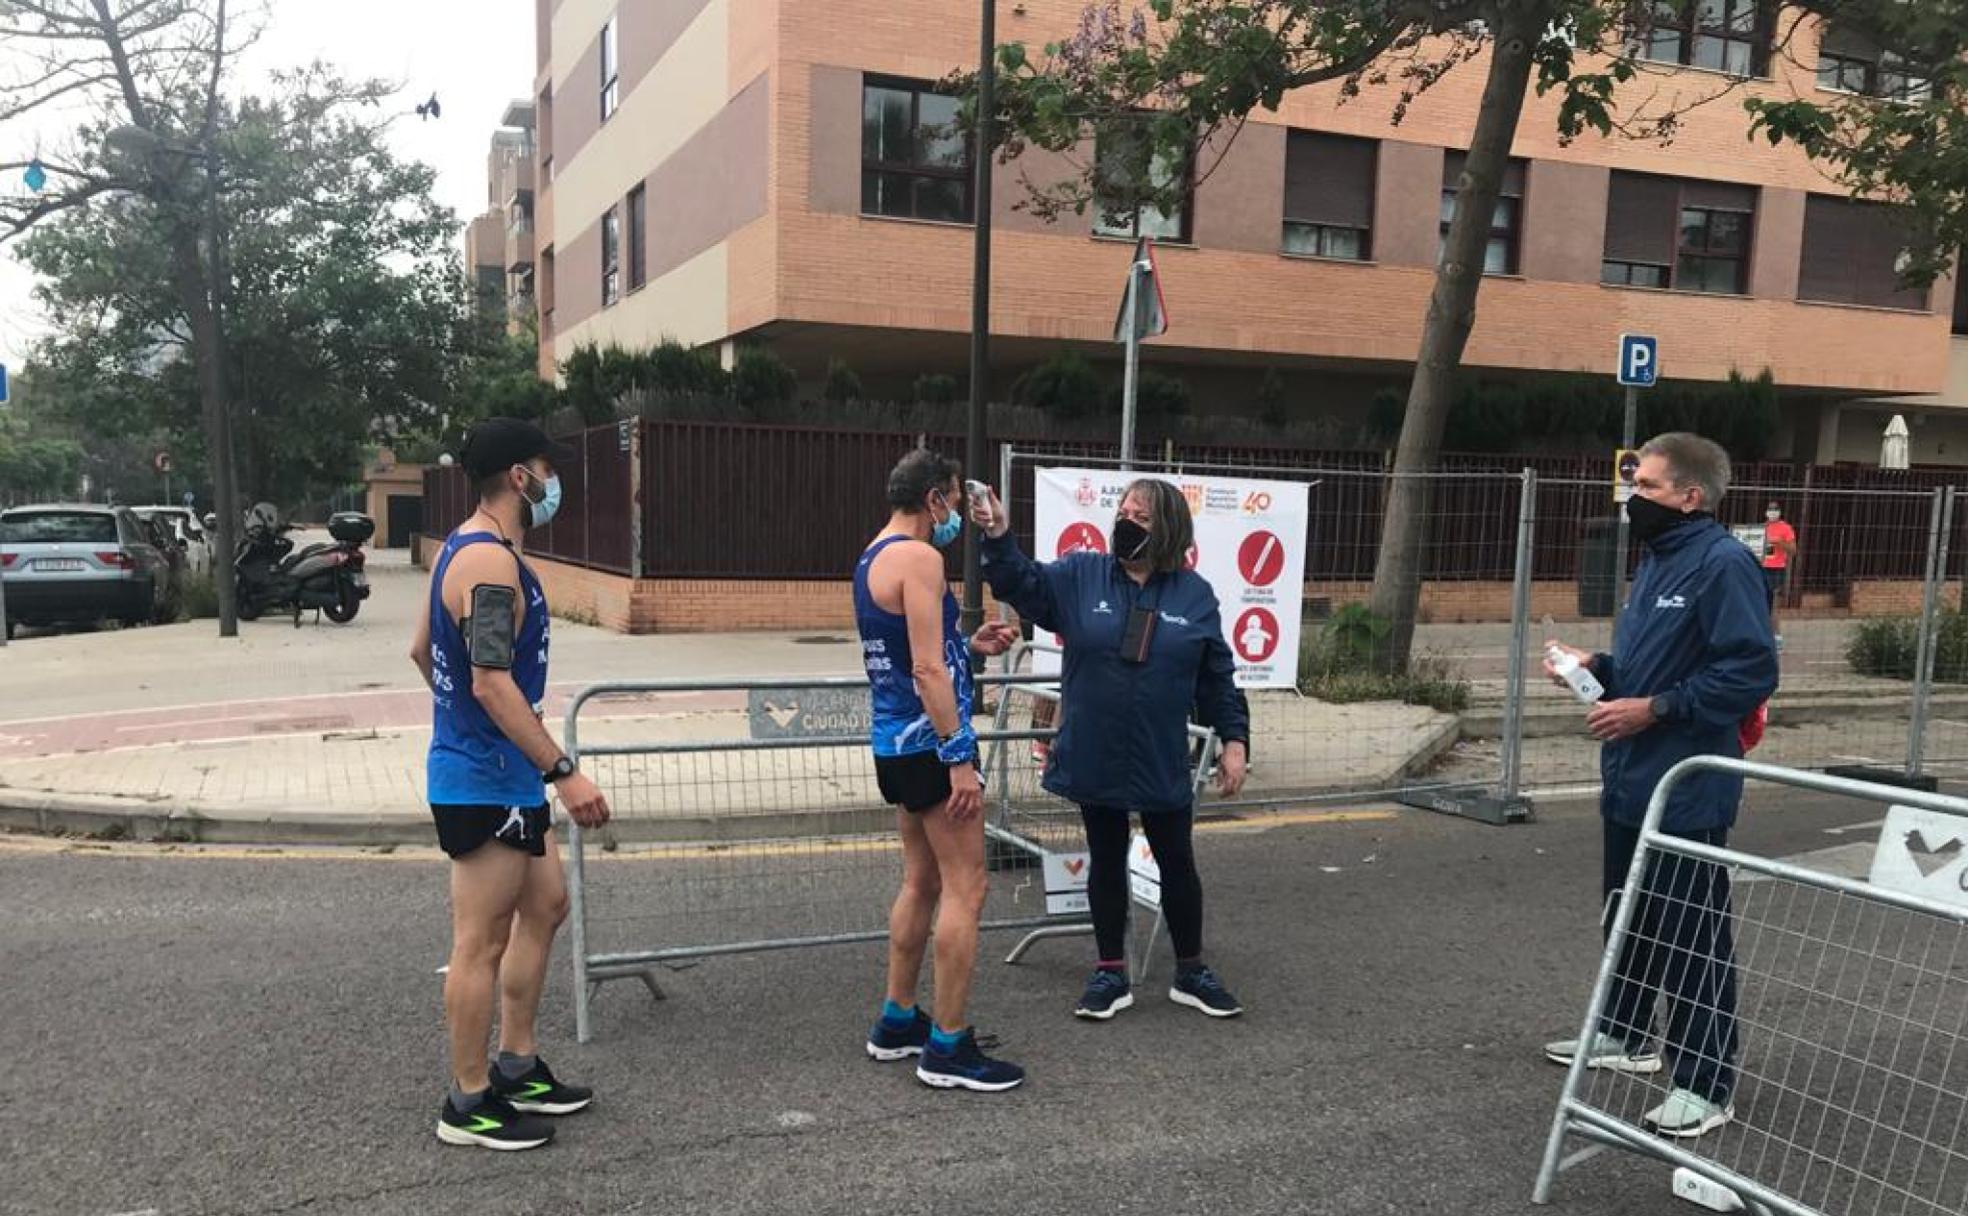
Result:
[1642,218]
[1725,196]
[1329,179]
[1513,173]
[1851,250]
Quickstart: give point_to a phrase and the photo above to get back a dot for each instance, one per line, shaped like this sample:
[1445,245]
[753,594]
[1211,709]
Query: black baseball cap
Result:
[497,444]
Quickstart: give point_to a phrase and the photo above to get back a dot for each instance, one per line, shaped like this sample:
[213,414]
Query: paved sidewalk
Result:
[319,732]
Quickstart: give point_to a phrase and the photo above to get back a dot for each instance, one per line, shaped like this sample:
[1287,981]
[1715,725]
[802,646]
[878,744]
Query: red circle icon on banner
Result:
[1261,558]
[1081,538]
[1193,558]
[1256,635]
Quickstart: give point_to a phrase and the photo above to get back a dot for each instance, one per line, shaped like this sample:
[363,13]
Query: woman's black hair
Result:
[1171,531]
[916,474]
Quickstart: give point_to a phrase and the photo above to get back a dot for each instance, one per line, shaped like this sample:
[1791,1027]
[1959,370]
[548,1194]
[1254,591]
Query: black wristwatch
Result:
[1659,705]
[562,769]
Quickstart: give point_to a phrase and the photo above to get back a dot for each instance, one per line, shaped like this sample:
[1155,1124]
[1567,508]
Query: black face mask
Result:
[1130,540]
[1650,520]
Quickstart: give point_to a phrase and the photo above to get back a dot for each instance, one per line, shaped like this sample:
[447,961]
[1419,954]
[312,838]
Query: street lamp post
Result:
[980,301]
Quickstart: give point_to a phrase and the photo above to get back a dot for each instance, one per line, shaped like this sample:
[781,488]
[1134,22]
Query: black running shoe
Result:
[1200,989]
[967,1067]
[889,1043]
[539,1093]
[1107,993]
[494,1124]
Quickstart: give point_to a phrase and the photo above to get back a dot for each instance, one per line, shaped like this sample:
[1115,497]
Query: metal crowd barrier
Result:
[724,845]
[1047,829]
[1849,1001]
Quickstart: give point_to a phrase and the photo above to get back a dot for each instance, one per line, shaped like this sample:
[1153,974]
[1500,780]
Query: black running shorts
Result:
[918,782]
[460,829]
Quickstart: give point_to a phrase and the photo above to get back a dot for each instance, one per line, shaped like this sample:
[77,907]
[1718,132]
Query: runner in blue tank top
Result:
[482,647]
[926,765]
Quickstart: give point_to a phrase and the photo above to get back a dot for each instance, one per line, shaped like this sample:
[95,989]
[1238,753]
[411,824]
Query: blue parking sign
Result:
[3,384]
[1639,360]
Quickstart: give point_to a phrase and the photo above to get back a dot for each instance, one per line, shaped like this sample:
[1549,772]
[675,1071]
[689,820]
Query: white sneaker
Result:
[1606,1052]
[1687,1114]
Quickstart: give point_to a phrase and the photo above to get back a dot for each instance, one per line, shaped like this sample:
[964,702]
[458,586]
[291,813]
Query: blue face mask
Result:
[946,531]
[541,512]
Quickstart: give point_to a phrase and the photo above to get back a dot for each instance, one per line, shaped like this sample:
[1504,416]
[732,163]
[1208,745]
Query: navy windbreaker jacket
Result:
[1696,632]
[1123,730]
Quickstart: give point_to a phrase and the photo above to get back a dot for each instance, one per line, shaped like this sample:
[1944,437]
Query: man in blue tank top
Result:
[482,647]
[926,765]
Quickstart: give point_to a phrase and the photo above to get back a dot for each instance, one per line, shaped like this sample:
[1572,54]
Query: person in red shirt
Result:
[1779,549]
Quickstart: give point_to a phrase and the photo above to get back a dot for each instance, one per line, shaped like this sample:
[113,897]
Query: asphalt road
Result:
[237,1033]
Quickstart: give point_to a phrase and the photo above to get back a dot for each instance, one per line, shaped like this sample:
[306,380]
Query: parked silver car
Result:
[83,562]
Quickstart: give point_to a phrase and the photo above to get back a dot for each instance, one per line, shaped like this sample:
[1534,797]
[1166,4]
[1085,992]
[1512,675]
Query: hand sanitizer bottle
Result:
[1584,685]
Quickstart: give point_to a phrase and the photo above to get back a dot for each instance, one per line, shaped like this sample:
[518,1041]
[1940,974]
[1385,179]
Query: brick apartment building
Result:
[769,171]
[499,242]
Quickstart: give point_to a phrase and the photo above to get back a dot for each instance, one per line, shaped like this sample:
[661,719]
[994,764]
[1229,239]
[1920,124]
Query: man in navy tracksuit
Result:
[1692,657]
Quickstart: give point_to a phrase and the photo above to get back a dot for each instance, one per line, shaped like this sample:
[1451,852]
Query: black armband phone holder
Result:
[492,627]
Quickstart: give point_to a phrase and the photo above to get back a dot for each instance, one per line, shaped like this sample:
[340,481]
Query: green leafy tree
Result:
[676,368]
[842,384]
[935,389]
[1909,146]
[1271,399]
[1171,83]
[1157,396]
[267,251]
[1065,386]
[761,379]
[344,318]
[596,378]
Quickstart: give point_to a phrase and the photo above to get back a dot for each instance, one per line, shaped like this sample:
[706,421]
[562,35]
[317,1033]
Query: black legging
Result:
[1170,835]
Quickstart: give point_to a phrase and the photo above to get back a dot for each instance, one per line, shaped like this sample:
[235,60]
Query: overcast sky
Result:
[476,55]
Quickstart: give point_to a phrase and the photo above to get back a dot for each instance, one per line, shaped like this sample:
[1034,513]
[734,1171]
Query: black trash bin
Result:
[1598,562]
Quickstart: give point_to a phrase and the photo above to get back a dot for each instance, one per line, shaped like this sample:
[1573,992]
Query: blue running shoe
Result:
[1107,993]
[888,1043]
[967,1067]
[1200,989]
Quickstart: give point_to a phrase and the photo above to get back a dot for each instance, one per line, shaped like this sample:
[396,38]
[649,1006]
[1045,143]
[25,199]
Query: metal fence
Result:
[597,528]
[1436,733]
[1874,668]
[1839,1006]
[698,493]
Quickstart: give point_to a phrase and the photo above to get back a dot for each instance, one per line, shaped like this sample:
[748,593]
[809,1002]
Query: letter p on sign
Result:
[1639,360]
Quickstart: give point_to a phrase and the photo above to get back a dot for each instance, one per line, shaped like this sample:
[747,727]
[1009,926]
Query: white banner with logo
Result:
[1250,545]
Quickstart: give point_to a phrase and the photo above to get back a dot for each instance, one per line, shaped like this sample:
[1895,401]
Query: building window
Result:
[1849,62]
[638,239]
[915,159]
[544,285]
[545,138]
[1730,36]
[610,69]
[1961,293]
[1506,220]
[1852,254]
[1126,167]
[1633,274]
[1329,195]
[1678,233]
[1714,251]
[611,257]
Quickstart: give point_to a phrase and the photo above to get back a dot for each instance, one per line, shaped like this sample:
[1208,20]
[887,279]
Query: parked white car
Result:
[189,531]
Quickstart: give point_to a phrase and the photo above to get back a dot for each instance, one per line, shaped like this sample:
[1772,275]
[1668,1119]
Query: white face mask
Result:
[1772,515]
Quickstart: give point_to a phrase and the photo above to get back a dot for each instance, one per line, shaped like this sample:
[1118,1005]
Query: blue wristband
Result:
[959,748]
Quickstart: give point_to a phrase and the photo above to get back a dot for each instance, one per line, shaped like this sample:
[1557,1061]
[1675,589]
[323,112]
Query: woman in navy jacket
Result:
[1143,642]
